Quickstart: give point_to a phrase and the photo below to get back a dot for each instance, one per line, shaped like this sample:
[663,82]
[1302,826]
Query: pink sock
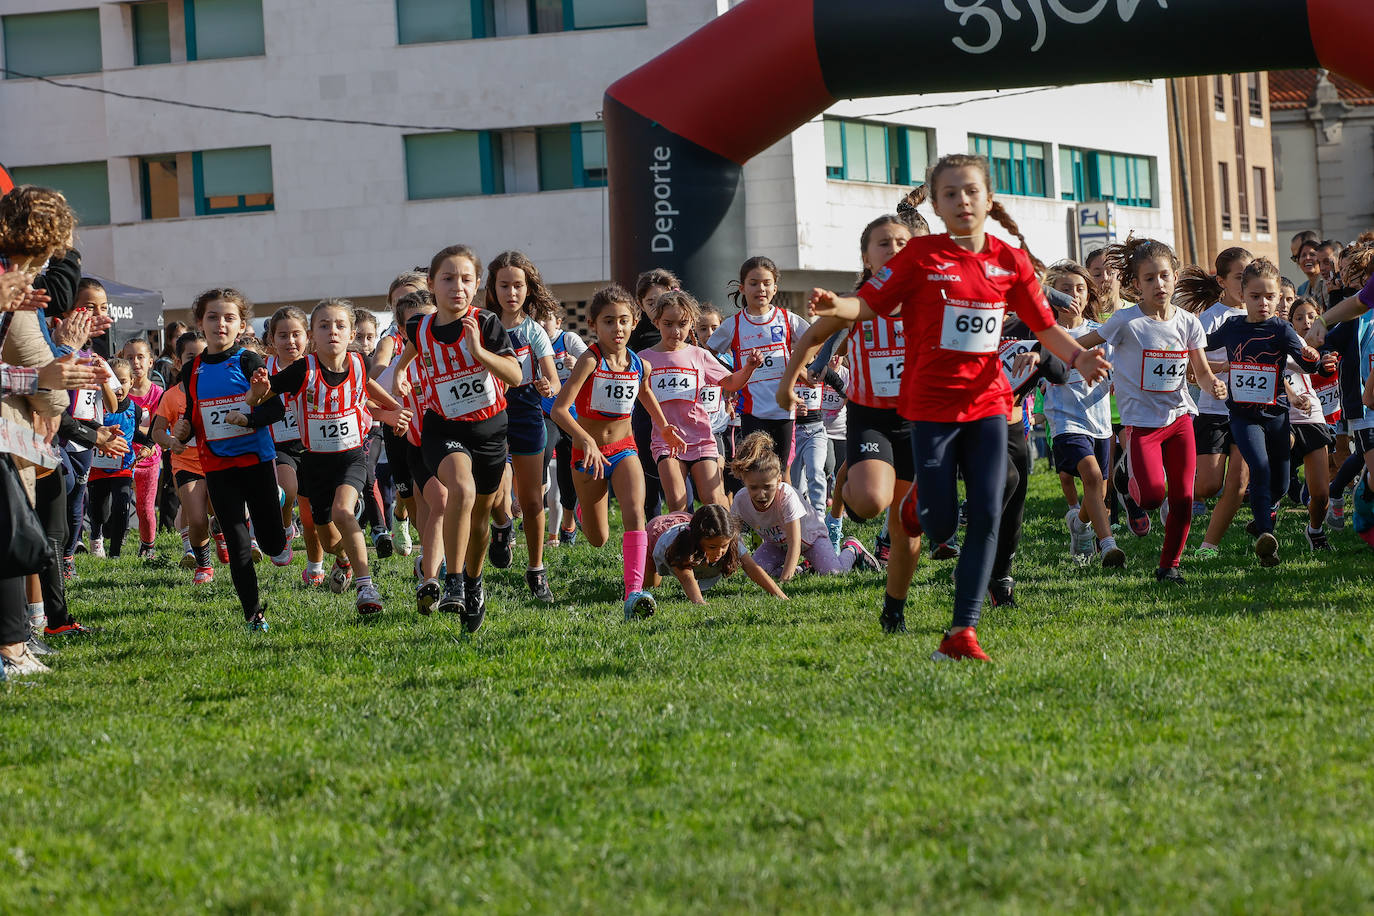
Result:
[632,544]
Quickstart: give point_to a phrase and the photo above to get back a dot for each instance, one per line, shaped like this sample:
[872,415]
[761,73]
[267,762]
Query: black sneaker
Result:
[426,595]
[147,552]
[1170,574]
[381,539]
[1002,592]
[538,581]
[893,623]
[498,552]
[454,598]
[474,605]
[1317,539]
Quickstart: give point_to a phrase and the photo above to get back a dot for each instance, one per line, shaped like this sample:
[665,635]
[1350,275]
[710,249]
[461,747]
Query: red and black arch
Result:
[680,128]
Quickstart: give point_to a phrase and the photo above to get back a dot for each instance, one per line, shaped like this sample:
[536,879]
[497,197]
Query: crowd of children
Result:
[1159,388]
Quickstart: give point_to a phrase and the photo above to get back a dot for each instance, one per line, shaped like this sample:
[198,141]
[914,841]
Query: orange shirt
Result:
[173,407]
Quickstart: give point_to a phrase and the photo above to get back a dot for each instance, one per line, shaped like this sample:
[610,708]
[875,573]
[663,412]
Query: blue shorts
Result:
[1071,448]
[614,453]
[525,432]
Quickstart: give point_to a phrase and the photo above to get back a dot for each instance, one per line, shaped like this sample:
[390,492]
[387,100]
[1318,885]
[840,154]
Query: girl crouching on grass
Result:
[790,530]
[699,549]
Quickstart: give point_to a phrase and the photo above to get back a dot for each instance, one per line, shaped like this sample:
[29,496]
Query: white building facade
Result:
[496,142]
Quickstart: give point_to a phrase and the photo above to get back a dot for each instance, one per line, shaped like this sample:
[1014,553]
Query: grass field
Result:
[1130,748]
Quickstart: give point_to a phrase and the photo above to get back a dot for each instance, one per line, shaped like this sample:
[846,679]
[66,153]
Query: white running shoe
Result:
[403,537]
[369,600]
[98,548]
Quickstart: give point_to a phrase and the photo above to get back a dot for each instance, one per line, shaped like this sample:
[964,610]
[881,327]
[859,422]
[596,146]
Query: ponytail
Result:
[1127,257]
[999,213]
[1196,290]
[756,456]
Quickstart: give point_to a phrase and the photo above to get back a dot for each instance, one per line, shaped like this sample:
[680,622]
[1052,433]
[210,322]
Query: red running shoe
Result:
[221,548]
[204,575]
[961,645]
[910,514]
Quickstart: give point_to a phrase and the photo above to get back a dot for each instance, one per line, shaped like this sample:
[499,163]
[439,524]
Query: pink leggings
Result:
[1157,455]
[770,555]
[145,501]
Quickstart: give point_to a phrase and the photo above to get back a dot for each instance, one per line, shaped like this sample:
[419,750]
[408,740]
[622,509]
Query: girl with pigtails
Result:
[878,469]
[953,289]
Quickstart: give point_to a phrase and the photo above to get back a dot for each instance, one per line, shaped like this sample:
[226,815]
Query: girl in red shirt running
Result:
[953,289]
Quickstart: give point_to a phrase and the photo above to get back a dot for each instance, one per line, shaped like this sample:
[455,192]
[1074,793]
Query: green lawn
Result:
[1130,748]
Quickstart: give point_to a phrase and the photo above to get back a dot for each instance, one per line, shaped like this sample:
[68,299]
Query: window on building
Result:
[52,44]
[1224,188]
[152,34]
[1018,167]
[571,15]
[86,186]
[882,153]
[572,156]
[224,28]
[1252,88]
[1219,94]
[420,21]
[462,163]
[158,184]
[233,180]
[1261,201]
[1094,175]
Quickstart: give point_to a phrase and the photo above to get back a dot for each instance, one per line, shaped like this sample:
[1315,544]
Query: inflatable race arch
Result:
[680,128]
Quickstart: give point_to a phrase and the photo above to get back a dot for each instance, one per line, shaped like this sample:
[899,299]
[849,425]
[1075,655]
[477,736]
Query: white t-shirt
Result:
[1213,317]
[787,506]
[705,575]
[1150,364]
[1301,383]
[1076,407]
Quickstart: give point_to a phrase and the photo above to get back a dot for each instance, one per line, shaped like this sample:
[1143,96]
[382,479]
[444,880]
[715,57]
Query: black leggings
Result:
[643,429]
[977,450]
[1348,471]
[50,498]
[1013,500]
[108,500]
[1264,443]
[374,514]
[14,611]
[231,492]
[562,462]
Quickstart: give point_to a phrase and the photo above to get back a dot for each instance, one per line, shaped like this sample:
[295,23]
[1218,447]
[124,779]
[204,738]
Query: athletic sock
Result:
[1311,530]
[38,619]
[452,579]
[893,607]
[1208,545]
[185,540]
[314,566]
[1106,544]
[535,569]
[632,545]
[203,556]
[362,581]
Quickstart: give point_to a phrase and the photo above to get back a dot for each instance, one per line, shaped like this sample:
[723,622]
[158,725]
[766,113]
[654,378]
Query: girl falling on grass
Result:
[699,549]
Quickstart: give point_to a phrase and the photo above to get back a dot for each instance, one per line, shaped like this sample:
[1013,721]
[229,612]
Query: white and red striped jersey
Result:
[415,402]
[334,418]
[771,338]
[288,428]
[877,352]
[457,386]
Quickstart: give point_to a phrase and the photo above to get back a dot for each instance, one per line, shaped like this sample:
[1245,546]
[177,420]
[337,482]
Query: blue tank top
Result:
[217,388]
[127,421]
